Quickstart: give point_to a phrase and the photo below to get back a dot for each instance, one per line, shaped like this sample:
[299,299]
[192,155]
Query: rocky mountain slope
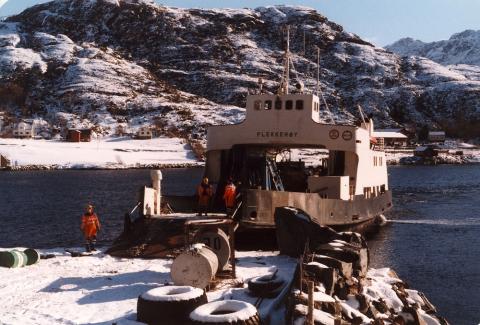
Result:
[461,48]
[105,63]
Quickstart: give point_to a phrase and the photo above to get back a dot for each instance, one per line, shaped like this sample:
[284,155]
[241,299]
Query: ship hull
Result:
[358,213]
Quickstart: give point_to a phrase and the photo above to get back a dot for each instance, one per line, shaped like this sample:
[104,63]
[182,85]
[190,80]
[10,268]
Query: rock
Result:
[294,228]
[412,316]
[348,253]
[326,275]
[344,268]
[428,306]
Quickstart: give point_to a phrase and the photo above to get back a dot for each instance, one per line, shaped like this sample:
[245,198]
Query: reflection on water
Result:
[433,238]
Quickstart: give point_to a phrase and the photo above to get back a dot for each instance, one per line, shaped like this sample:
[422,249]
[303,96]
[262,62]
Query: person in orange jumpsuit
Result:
[205,193]
[90,226]
[229,196]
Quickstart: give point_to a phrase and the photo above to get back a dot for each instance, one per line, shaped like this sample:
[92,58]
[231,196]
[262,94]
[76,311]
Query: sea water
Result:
[433,237]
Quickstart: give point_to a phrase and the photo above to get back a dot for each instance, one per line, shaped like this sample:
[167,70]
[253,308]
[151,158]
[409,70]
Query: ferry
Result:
[349,191]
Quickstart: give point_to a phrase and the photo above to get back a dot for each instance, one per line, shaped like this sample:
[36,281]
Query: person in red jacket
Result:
[229,196]
[90,226]
[205,193]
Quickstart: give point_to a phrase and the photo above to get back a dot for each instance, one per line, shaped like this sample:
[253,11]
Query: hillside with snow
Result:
[110,63]
[460,48]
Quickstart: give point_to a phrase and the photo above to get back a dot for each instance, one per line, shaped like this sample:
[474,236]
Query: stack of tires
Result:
[176,305]
[16,258]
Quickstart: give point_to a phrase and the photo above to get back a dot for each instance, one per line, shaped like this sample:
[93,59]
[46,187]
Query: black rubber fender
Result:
[169,304]
[225,312]
[266,286]
[32,256]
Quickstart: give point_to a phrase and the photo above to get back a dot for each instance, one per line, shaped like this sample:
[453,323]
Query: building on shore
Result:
[436,136]
[79,135]
[391,138]
[145,132]
[23,130]
[426,151]
[4,162]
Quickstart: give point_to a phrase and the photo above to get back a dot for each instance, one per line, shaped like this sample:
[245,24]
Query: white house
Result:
[145,132]
[23,130]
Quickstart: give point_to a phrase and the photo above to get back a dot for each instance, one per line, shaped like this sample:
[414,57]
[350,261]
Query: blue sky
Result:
[379,21]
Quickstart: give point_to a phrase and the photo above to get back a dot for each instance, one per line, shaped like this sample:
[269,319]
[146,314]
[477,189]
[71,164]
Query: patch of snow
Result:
[60,48]
[13,59]
[381,287]
[320,265]
[224,311]
[352,312]
[318,315]
[121,152]
[9,35]
[172,293]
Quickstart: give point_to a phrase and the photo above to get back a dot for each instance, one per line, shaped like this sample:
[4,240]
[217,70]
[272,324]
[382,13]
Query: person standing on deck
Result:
[205,193]
[90,226]
[229,196]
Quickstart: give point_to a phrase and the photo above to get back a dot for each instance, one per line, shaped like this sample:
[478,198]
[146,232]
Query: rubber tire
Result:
[21,259]
[262,286]
[8,259]
[253,320]
[167,312]
[32,256]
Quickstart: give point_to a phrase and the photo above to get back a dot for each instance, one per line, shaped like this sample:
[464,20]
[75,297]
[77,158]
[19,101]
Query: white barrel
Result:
[195,267]
[218,242]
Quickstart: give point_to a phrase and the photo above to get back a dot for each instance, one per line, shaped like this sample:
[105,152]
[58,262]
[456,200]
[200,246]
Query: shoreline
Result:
[86,168]
[199,164]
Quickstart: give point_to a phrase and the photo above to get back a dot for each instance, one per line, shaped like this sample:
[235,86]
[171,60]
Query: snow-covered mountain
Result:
[105,63]
[461,48]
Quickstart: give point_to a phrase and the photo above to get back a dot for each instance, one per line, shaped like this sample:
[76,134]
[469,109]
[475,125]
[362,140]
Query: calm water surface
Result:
[433,240]
[43,208]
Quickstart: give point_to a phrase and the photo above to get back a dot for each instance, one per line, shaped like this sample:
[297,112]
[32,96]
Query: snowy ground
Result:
[118,152]
[470,155]
[125,152]
[101,289]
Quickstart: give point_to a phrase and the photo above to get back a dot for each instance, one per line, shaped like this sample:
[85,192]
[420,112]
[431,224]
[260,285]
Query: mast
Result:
[318,70]
[287,61]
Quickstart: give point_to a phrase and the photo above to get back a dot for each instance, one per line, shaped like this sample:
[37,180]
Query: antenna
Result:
[361,113]
[287,61]
[318,70]
[284,83]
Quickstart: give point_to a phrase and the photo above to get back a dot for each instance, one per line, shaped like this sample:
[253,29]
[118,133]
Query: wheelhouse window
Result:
[278,104]
[299,104]
[268,104]
[289,104]
[257,105]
